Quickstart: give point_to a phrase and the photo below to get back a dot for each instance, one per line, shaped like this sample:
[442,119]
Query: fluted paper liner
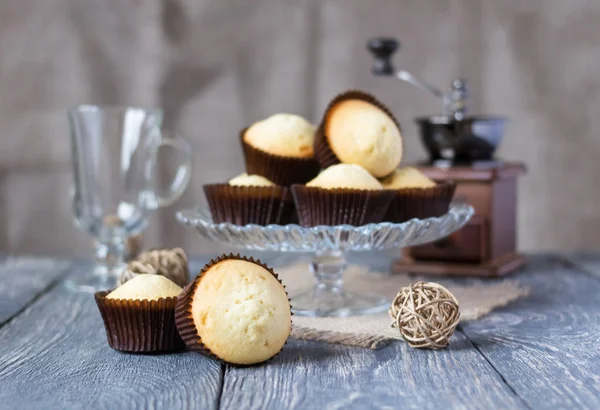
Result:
[140,326]
[280,170]
[183,310]
[323,152]
[339,206]
[241,205]
[420,203]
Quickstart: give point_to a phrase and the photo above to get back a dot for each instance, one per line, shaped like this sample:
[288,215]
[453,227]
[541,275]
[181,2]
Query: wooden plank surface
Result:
[22,279]
[55,356]
[540,352]
[586,262]
[311,375]
[546,345]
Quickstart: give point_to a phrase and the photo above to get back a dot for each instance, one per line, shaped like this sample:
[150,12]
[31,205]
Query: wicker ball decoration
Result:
[426,314]
[170,263]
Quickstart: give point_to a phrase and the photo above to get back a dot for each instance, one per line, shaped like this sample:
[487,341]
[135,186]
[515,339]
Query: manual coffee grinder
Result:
[461,149]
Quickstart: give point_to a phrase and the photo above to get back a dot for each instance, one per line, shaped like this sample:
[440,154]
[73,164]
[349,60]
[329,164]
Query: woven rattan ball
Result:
[171,263]
[426,314]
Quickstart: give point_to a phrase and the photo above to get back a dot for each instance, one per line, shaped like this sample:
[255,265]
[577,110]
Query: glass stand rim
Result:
[328,298]
[358,304]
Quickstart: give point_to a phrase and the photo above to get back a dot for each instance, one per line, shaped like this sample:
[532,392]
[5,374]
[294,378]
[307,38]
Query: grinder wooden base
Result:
[496,268]
[487,245]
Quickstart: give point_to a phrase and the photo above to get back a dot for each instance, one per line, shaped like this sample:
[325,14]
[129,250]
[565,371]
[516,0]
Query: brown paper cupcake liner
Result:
[280,170]
[140,326]
[183,310]
[323,152]
[317,206]
[420,203]
[241,205]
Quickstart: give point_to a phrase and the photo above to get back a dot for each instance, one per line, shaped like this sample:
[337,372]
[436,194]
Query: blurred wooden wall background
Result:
[216,66]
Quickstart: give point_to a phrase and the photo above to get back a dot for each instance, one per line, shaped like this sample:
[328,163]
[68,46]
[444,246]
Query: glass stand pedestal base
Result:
[328,297]
[319,302]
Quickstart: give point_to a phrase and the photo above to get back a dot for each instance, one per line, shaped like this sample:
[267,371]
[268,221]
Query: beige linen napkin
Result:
[476,298]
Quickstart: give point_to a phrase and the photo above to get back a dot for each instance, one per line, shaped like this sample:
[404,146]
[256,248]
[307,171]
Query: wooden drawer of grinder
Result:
[469,244]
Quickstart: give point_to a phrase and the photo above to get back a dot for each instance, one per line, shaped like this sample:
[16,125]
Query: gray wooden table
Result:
[540,352]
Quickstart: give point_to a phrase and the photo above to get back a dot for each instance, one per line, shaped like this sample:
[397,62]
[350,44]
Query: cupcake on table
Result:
[236,310]
[139,316]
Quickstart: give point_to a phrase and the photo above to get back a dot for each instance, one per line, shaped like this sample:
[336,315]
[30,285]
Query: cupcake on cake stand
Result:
[344,208]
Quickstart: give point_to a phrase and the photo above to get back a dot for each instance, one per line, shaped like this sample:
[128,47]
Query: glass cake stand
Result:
[328,245]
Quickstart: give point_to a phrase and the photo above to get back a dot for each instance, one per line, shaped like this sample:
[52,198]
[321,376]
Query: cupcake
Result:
[139,316]
[236,310]
[250,180]
[250,199]
[407,177]
[280,148]
[416,196]
[358,129]
[341,194]
[170,263]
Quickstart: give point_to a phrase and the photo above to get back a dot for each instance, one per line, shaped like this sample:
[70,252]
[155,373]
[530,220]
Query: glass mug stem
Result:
[110,257]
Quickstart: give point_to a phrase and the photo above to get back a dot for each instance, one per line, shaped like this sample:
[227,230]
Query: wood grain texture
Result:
[546,345]
[55,356]
[311,375]
[22,279]
[540,352]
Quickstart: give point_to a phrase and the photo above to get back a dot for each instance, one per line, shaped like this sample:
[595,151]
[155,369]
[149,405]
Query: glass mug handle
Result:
[182,176]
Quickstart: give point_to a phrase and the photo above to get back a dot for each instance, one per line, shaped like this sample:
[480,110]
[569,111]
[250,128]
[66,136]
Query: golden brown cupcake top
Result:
[241,312]
[363,134]
[146,287]
[250,180]
[345,176]
[286,135]
[407,177]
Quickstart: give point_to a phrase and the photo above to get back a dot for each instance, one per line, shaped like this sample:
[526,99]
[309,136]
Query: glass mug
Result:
[114,159]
